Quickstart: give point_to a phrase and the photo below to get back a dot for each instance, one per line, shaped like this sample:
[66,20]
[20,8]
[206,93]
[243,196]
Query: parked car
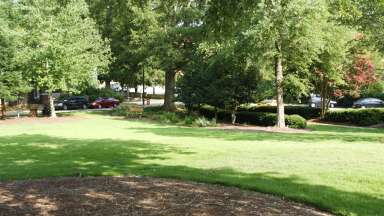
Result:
[74,102]
[315,102]
[368,103]
[105,103]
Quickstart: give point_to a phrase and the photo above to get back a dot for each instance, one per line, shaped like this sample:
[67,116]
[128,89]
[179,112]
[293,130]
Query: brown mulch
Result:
[260,129]
[138,196]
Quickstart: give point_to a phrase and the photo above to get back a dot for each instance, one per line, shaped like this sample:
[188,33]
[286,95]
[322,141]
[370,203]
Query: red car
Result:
[105,103]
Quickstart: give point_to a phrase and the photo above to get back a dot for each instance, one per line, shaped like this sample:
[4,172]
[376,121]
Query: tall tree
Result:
[222,78]
[126,24]
[329,71]
[62,49]
[176,39]
[283,33]
[11,81]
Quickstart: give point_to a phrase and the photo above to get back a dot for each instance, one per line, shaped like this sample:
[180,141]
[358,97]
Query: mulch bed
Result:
[138,196]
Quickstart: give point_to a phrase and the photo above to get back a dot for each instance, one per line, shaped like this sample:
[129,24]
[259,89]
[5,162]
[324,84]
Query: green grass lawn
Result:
[334,168]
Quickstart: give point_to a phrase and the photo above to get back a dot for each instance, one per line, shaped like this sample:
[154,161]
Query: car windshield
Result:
[375,101]
[369,100]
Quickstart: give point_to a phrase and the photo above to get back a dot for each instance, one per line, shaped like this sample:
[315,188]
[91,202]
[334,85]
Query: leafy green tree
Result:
[11,81]
[329,68]
[126,24]
[221,78]
[282,34]
[61,47]
[176,39]
[367,16]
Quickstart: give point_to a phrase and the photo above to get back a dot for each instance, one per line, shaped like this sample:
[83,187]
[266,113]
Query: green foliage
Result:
[61,47]
[303,111]
[361,117]
[128,26]
[374,90]
[222,78]
[295,121]
[12,84]
[189,120]
[366,15]
[328,69]
[269,119]
[168,118]
[279,36]
[255,117]
[203,122]
[128,111]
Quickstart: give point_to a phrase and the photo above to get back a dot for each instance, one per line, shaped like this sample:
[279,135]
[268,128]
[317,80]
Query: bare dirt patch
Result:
[138,196]
[260,129]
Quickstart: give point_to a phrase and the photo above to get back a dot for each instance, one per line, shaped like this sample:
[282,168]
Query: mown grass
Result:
[334,168]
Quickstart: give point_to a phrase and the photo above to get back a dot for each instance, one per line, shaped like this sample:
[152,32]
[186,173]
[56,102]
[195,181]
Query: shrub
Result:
[154,109]
[257,118]
[270,119]
[254,118]
[303,111]
[361,117]
[128,110]
[209,112]
[169,118]
[295,121]
[189,120]
[203,122]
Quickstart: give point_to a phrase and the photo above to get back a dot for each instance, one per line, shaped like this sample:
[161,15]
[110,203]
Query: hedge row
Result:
[361,117]
[270,119]
[303,111]
[254,118]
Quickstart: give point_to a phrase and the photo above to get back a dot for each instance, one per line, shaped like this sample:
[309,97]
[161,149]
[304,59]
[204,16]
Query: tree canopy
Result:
[221,53]
[61,48]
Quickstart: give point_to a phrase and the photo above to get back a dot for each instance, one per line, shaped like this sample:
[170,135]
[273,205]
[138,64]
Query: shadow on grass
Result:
[236,135]
[35,156]
[39,156]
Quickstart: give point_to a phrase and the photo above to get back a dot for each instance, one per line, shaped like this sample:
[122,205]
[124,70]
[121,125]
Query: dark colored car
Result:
[368,103]
[75,102]
[105,103]
[315,102]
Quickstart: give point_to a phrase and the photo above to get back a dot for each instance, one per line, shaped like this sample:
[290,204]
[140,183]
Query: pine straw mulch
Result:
[138,196]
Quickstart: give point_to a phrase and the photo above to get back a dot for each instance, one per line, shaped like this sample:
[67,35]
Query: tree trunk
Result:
[108,84]
[233,116]
[323,98]
[169,104]
[216,114]
[153,90]
[51,106]
[279,89]
[2,108]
